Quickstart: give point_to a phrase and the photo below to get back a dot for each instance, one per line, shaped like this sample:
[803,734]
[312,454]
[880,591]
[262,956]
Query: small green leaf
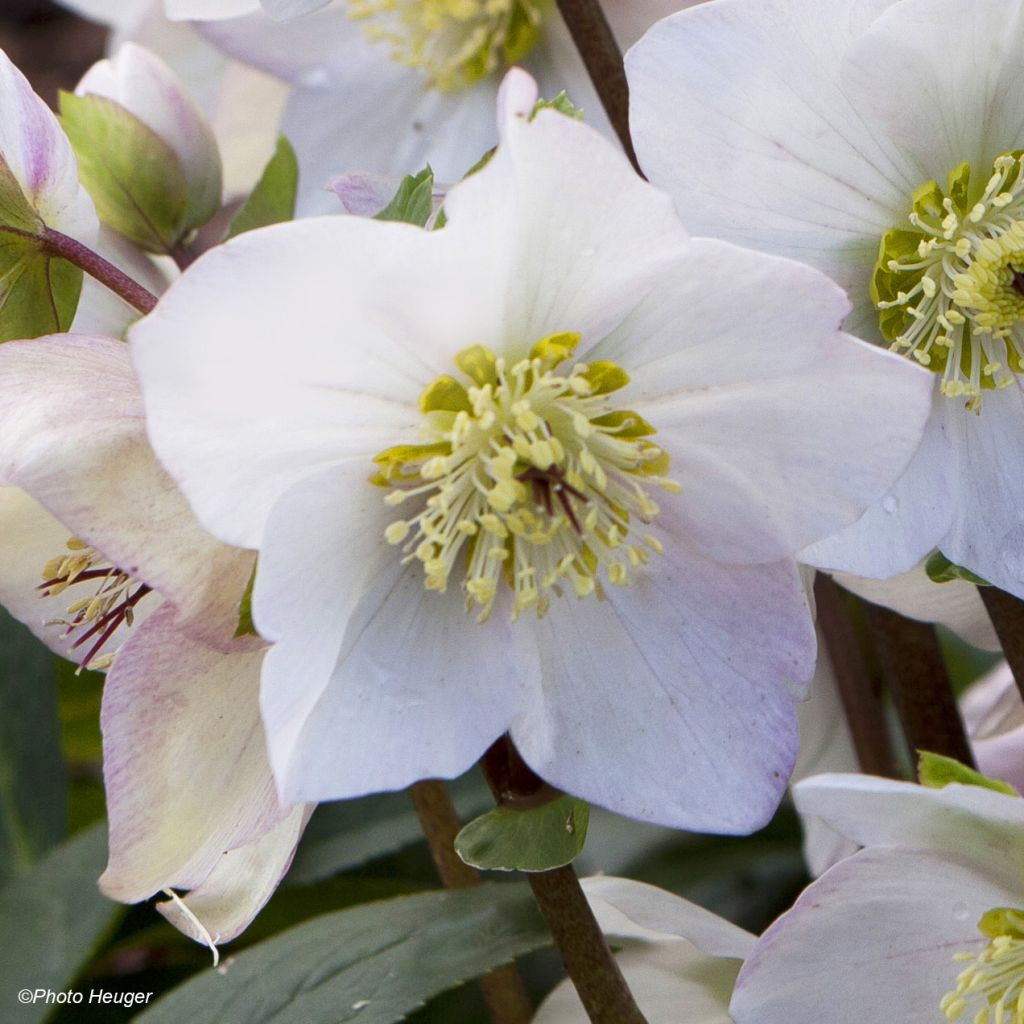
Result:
[33,786]
[941,570]
[413,202]
[560,103]
[246,627]
[51,921]
[937,771]
[373,964]
[134,177]
[272,201]
[532,839]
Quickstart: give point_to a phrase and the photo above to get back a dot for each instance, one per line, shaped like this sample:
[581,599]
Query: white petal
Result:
[41,159]
[72,436]
[957,605]
[871,940]
[672,984]
[239,886]
[377,683]
[185,763]
[285,9]
[246,393]
[987,535]
[969,822]
[909,520]
[663,914]
[187,10]
[994,718]
[738,110]
[116,13]
[683,675]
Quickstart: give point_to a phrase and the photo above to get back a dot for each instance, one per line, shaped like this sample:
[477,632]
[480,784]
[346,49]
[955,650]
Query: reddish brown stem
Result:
[1007,615]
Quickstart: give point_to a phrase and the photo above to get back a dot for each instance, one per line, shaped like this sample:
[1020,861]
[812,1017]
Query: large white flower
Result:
[875,140]
[501,381]
[924,923]
[679,960]
[387,87]
[101,557]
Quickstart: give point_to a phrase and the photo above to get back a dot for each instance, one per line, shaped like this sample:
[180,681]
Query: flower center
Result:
[109,599]
[457,42]
[950,291]
[532,476]
[994,980]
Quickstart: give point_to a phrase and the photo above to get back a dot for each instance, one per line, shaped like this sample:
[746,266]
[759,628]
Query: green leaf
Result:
[38,291]
[941,570]
[345,834]
[272,201]
[937,771]
[134,177]
[246,627]
[51,921]
[33,787]
[413,202]
[372,964]
[531,839]
[561,103]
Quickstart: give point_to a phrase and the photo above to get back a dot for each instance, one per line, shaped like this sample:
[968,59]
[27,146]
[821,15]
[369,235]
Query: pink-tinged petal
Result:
[957,605]
[400,684]
[780,428]
[910,519]
[975,824]
[144,85]
[237,889]
[184,759]
[871,940]
[364,195]
[994,718]
[40,157]
[72,435]
[987,535]
[312,382]
[675,675]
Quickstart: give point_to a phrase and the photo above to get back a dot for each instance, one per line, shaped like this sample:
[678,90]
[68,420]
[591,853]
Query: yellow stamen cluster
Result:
[457,42]
[527,476]
[110,600]
[950,293]
[994,980]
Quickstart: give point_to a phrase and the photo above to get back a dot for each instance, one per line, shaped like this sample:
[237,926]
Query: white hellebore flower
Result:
[386,87]
[542,471]
[878,141]
[923,925]
[679,960]
[102,558]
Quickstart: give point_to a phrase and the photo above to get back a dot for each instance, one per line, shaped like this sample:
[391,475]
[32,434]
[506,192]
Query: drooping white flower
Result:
[101,557]
[877,143]
[420,430]
[679,960]
[924,924]
[387,87]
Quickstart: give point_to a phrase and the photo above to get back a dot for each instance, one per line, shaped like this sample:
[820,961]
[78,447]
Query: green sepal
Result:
[246,626]
[478,364]
[941,570]
[272,201]
[561,103]
[135,179]
[958,185]
[446,394]
[555,348]
[624,423]
[936,771]
[413,203]
[886,284]
[1002,921]
[39,292]
[395,462]
[605,377]
[528,839]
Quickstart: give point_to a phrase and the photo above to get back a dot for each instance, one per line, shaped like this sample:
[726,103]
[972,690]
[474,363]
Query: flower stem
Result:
[506,998]
[588,959]
[70,249]
[1007,615]
[915,672]
[600,51]
[858,690]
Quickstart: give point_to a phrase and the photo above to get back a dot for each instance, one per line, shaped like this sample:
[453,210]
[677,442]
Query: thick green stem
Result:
[503,991]
[585,952]
[600,51]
